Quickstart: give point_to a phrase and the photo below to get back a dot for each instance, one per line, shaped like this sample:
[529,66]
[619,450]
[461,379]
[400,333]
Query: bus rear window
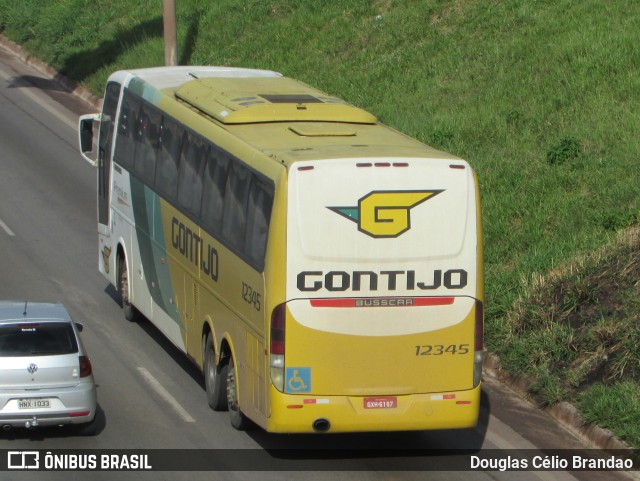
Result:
[37,339]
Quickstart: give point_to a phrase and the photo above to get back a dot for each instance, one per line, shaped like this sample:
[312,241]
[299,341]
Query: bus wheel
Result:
[237,418]
[123,288]
[215,378]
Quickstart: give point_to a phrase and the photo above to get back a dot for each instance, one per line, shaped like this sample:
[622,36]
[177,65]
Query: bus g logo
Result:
[384,214]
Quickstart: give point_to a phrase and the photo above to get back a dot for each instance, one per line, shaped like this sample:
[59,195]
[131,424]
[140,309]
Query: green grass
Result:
[615,407]
[576,334]
[541,97]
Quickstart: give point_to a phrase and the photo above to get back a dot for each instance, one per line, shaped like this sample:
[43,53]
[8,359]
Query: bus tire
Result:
[129,311]
[236,416]
[215,378]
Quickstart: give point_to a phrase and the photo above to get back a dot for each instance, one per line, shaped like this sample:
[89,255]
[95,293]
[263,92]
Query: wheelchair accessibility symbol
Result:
[298,379]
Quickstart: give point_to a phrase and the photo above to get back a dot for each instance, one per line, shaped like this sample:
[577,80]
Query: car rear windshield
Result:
[37,339]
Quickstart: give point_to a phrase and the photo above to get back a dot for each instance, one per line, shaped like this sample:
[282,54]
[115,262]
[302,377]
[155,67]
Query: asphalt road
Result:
[150,396]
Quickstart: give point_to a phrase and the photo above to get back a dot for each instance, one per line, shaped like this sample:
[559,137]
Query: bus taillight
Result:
[278,323]
[479,344]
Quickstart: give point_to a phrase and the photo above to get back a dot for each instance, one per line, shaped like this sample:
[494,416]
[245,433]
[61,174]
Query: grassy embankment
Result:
[542,99]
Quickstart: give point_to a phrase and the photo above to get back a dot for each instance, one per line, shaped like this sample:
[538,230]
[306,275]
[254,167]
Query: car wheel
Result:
[236,416]
[87,429]
[215,378]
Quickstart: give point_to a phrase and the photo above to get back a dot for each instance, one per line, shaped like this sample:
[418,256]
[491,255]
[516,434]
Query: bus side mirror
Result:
[85,133]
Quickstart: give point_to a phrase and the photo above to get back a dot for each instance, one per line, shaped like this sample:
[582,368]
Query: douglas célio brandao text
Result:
[549,463]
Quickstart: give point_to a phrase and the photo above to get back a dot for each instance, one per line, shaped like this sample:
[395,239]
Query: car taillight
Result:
[85,366]
[278,324]
[479,344]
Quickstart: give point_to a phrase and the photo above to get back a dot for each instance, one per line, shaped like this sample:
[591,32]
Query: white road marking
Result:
[5,228]
[164,394]
[39,100]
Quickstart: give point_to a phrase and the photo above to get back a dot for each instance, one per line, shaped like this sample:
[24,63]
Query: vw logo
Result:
[32,368]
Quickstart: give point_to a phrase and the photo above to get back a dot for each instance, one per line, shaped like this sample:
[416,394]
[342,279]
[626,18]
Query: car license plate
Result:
[36,403]
[380,402]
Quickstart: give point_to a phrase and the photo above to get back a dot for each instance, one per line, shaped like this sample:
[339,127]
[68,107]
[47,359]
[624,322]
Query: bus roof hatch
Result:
[267,99]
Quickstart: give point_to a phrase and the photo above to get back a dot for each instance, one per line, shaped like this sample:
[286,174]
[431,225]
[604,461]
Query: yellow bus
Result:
[324,271]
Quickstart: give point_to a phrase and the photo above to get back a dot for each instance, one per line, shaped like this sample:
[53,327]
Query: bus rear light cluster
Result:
[276,351]
[479,344]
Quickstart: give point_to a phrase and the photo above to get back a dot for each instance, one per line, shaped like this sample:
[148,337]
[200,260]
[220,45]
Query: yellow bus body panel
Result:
[414,412]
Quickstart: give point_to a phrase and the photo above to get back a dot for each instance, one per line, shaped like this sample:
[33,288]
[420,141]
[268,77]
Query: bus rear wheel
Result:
[215,378]
[236,416]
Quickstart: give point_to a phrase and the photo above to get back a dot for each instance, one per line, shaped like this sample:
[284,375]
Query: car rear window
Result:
[37,339]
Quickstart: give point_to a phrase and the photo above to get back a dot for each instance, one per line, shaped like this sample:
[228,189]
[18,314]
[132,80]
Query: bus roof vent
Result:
[267,99]
[321,130]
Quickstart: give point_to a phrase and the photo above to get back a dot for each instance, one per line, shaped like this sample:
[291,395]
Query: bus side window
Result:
[127,126]
[168,156]
[258,215]
[147,143]
[215,181]
[192,159]
[105,142]
[234,219]
[109,108]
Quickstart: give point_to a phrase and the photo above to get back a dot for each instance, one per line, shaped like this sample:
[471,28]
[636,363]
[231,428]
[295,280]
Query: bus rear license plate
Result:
[33,403]
[380,402]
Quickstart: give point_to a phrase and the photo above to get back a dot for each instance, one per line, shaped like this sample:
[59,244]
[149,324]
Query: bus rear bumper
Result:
[337,414]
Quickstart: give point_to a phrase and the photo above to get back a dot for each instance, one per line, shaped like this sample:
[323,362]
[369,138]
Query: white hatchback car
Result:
[45,374]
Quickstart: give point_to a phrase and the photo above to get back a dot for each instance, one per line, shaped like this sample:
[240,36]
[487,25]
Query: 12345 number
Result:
[441,350]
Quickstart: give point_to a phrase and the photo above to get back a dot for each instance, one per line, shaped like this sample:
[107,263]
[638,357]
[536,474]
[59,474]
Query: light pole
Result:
[170,35]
